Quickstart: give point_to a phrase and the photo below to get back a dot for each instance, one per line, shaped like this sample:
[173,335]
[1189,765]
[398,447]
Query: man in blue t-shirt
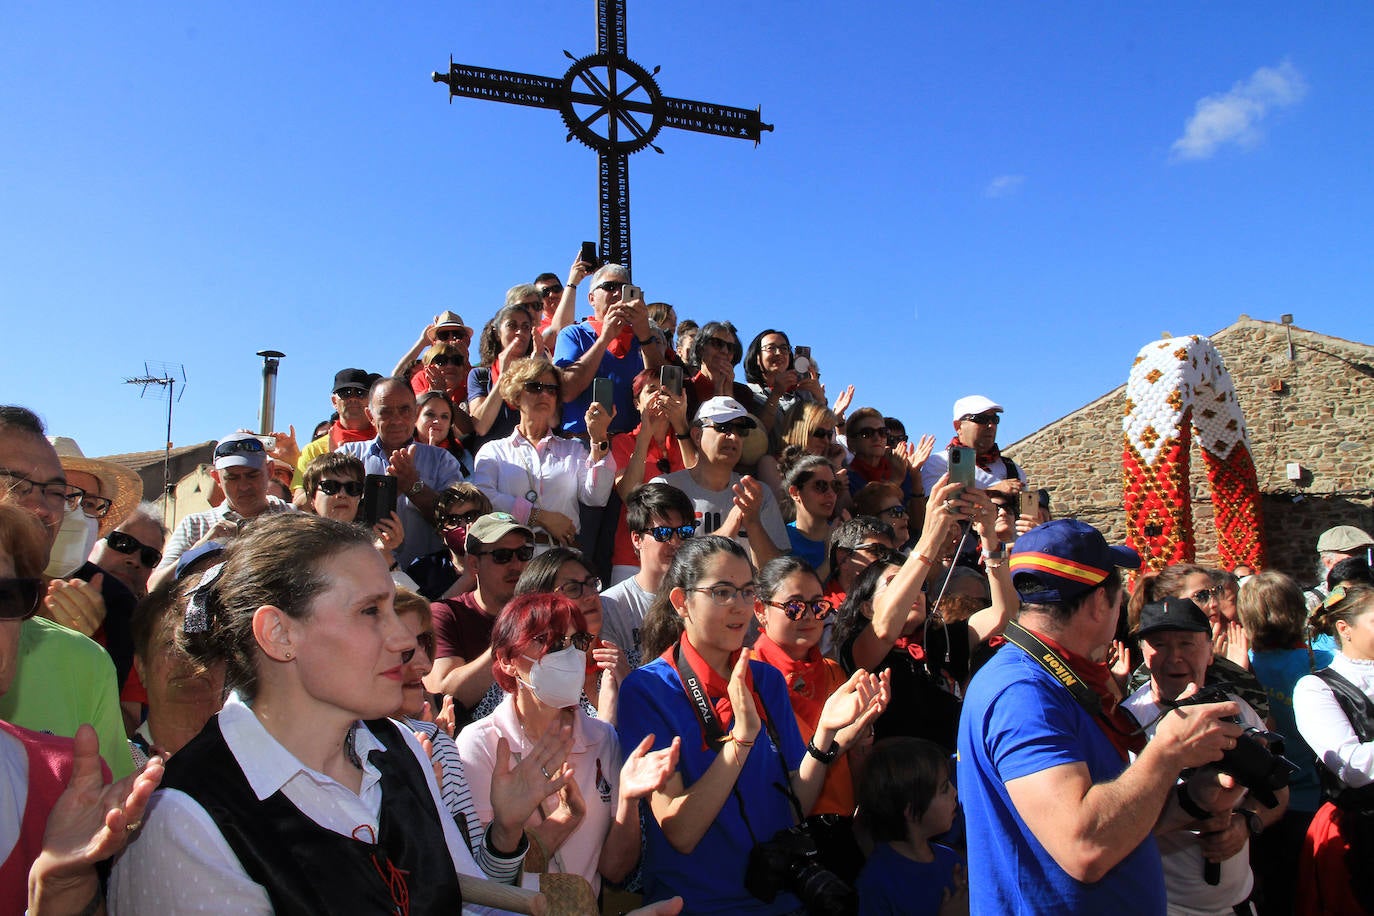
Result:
[1057,820]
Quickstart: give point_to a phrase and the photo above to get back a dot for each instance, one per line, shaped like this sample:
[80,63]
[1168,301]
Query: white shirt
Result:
[559,473]
[1188,893]
[181,863]
[938,463]
[195,526]
[1325,727]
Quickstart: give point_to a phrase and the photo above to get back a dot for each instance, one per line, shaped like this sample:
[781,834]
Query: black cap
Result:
[352,378]
[1177,614]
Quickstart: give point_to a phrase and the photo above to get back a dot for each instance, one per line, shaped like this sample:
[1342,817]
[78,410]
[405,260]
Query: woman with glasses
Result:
[446,573]
[1333,710]
[739,744]
[537,476]
[886,624]
[506,338]
[540,647]
[883,499]
[444,368]
[812,491]
[437,423]
[791,610]
[566,572]
[773,379]
[866,435]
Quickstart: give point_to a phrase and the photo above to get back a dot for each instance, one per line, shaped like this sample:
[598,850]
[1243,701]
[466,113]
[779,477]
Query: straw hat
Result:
[118,484]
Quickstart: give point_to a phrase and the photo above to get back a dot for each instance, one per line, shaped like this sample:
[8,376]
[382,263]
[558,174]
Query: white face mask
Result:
[556,679]
[75,540]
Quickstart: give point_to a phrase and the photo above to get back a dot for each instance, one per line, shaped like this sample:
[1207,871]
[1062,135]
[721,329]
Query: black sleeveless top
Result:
[308,869]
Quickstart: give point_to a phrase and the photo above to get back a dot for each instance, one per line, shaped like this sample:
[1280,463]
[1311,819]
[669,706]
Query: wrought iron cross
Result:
[607,85]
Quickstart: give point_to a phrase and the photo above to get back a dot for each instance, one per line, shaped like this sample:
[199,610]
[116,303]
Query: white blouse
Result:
[556,474]
[1325,727]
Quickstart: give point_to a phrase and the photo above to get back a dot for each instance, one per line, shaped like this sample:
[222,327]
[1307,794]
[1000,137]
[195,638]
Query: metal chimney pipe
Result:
[270,360]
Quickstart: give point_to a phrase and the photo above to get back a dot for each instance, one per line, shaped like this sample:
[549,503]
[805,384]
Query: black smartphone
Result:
[670,377]
[588,255]
[962,462]
[603,393]
[379,498]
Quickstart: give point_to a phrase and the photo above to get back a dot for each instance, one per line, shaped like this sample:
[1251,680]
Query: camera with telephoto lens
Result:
[793,860]
[1257,760]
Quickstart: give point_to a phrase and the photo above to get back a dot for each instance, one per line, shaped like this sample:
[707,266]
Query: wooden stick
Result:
[502,896]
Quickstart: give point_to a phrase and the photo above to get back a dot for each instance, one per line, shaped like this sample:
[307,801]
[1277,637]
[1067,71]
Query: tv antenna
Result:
[161,379]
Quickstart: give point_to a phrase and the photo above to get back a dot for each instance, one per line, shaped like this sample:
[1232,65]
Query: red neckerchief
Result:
[983,459]
[717,688]
[871,473]
[834,594]
[1115,722]
[338,434]
[910,646]
[620,346]
[808,680]
[656,452]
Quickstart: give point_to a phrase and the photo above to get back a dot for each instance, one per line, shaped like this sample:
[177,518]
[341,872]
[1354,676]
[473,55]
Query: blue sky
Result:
[1002,198]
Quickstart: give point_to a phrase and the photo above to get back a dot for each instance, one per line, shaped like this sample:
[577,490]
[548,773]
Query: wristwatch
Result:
[415,488]
[1252,820]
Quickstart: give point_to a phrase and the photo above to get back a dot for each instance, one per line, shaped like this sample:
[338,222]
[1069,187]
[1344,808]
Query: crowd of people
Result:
[596,625]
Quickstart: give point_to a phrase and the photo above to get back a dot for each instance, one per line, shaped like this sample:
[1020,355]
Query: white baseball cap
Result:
[974,404]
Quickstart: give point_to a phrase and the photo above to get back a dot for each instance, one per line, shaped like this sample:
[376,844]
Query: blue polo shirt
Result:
[573,341]
[1018,720]
[436,467]
[711,878]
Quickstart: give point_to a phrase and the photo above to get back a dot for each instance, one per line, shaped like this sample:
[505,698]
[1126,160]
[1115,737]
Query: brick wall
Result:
[1316,409]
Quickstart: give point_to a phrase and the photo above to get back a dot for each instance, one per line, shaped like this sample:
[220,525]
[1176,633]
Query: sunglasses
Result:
[548,291]
[239,447]
[351,394]
[868,432]
[897,511]
[610,286]
[1205,595]
[128,544]
[442,361]
[540,388]
[664,533]
[332,487]
[719,343]
[984,419]
[823,433]
[896,438]
[449,334]
[503,555]
[880,552]
[820,608]
[737,429]
[580,641]
[19,598]
[824,486]
[450,522]
[576,588]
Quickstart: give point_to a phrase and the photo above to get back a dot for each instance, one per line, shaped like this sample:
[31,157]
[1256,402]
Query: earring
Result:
[288,656]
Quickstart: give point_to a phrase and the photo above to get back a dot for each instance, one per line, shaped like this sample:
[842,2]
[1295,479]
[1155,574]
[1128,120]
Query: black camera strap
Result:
[1049,659]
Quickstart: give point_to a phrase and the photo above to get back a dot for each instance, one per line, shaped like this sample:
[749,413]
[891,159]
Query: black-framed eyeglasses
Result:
[868,432]
[897,511]
[450,522]
[820,608]
[332,487]
[351,394]
[580,641]
[95,506]
[610,286]
[448,334]
[732,429]
[984,419]
[510,324]
[539,388]
[128,544]
[441,361]
[576,588]
[665,533]
[239,447]
[57,496]
[503,555]
[19,598]
[774,348]
[823,433]
[826,486]
[725,595]
[548,291]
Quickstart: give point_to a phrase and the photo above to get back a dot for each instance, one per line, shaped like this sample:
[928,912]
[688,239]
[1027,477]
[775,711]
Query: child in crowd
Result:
[905,800]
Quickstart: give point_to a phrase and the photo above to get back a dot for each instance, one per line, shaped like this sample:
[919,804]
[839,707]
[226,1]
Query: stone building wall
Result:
[1316,409]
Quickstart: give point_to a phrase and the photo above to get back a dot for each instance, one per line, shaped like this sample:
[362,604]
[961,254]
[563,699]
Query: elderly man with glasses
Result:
[975,426]
[241,472]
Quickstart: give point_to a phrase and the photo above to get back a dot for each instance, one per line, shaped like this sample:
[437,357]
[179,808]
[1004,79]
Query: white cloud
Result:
[1234,117]
[1004,185]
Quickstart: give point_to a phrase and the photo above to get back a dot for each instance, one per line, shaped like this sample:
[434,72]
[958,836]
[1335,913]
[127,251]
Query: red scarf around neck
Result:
[1115,722]
[338,434]
[911,646]
[809,683]
[984,460]
[717,688]
[621,344]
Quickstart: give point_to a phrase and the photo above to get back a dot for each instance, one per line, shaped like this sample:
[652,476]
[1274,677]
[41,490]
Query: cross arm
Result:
[709,118]
[501,86]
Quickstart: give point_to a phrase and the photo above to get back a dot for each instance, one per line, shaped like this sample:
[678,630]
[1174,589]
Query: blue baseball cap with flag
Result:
[1063,559]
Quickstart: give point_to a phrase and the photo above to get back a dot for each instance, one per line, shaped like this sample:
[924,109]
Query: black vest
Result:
[308,869]
[1360,712]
